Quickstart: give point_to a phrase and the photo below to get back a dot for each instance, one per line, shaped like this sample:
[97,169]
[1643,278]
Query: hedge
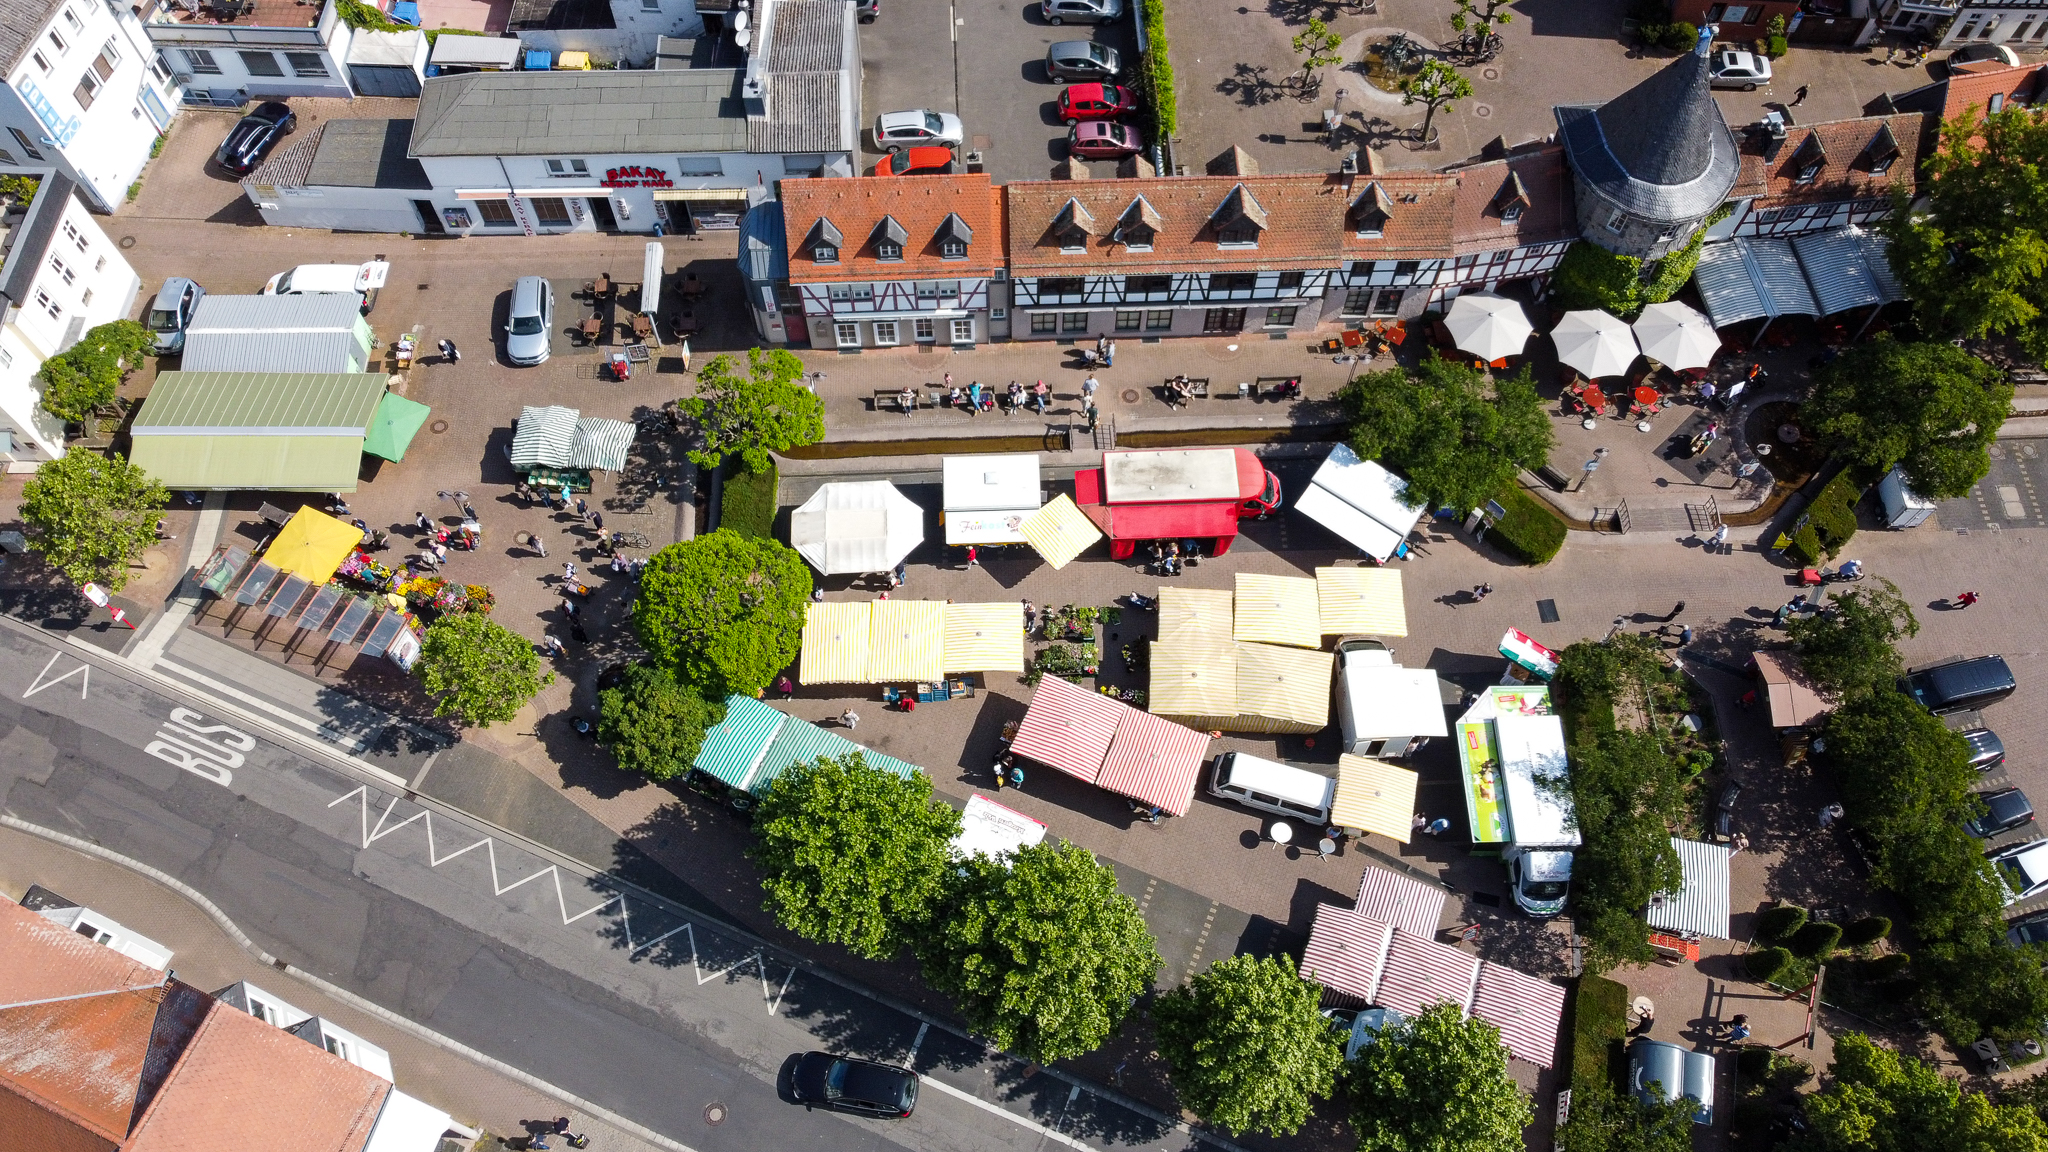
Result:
[747,505]
[1829,522]
[1765,964]
[1817,940]
[1157,74]
[1780,921]
[1598,1008]
[1530,532]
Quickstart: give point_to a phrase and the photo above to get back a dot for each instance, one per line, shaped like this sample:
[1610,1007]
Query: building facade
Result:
[224,56]
[2023,24]
[1814,177]
[86,94]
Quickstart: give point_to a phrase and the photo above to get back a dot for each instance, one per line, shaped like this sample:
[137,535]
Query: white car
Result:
[895,131]
[1732,68]
[2023,869]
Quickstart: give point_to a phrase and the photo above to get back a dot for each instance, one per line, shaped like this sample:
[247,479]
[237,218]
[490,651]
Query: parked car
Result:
[1724,809]
[1660,1073]
[867,10]
[172,312]
[850,1084]
[2028,930]
[529,329]
[1973,53]
[2004,810]
[365,280]
[1102,140]
[1960,684]
[2023,869]
[1082,60]
[1987,751]
[917,162]
[1080,11]
[254,135]
[895,131]
[1096,102]
[1733,68]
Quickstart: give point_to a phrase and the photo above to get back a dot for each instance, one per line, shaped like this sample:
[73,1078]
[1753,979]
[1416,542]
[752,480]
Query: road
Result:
[609,993]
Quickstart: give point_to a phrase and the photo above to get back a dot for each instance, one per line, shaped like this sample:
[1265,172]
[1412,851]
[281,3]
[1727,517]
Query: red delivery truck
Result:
[1175,494]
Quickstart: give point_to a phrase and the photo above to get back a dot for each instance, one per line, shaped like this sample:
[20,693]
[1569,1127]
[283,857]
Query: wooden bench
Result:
[891,400]
[1198,389]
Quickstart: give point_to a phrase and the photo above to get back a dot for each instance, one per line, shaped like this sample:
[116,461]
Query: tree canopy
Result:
[852,855]
[1043,954]
[88,374]
[1439,426]
[1848,648]
[92,516]
[1932,409]
[479,670]
[1626,797]
[653,724]
[750,413]
[1247,1046]
[1436,85]
[1603,1120]
[1438,1083]
[1879,1100]
[724,612]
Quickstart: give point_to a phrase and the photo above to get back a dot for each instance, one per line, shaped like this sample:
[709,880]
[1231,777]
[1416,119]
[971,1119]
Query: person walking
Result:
[568,571]
[1685,635]
[420,521]
[582,508]
[899,576]
[1088,388]
[552,645]
[1738,1028]
[1737,844]
[950,388]
[576,630]
[597,521]
[973,556]
[1092,415]
[1102,346]
[784,686]
[1109,353]
[1041,394]
[1799,95]
[850,719]
[1720,540]
[1965,599]
[449,352]
[540,548]
[1830,814]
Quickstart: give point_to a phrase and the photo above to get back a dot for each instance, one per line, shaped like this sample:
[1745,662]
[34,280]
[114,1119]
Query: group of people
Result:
[1168,556]
[977,399]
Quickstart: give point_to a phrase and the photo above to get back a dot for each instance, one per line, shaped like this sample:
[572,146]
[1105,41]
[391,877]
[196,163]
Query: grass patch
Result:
[747,504]
[1596,1016]
[1530,532]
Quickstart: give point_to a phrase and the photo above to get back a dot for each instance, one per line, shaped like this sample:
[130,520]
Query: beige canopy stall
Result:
[879,641]
[1060,531]
[1374,796]
[985,638]
[1278,610]
[1795,700]
[1203,678]
[1368,601]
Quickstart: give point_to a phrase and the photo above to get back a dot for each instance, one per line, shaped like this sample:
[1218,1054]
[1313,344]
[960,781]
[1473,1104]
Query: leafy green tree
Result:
[1247,1047]
[89,373]
[765,409]
[853,855]
[478,669]
[1979,984]
[1318,48]
[1848,649]
[1879,1100]
[1481,21]
[92,516]
[724,612]
[1931,409]
[1438,1083]
[1603,1120]
[1434,87]
[653,724]
[1626,799]
[1438,426]
[1043,954]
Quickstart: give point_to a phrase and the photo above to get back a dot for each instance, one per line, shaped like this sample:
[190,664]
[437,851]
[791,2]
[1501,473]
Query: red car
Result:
[925,161]
[1096,102]
[1100,140]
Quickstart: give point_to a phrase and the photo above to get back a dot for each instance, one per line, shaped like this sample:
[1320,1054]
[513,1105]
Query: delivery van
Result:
[1270,786]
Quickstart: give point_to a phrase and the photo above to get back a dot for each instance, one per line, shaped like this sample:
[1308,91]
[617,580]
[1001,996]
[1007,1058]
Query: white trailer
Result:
[987,498]
[1384,710]
[1903,507]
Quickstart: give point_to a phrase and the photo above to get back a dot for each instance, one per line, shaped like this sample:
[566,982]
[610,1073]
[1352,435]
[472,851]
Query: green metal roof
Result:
[278,463]
[733,746]
[260,404]
[397,421]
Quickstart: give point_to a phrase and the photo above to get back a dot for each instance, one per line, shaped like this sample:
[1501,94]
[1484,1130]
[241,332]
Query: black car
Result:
[2028,930]
[1987,751]
[850,1084]
[2004,810]
[1959,685]
[1082,60]
[254,135]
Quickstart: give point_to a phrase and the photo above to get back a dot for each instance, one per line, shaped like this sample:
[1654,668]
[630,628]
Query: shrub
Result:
[1868,930]
[1599,1024]
[1753,1062]
[1817,940]
[747,503]
[1156,74]
[1590,276]
[1780,921]
[1765,964]
[1889,966]
[1681,36]
[1530,532]
[1776,46]
[1833,513]
[1805,548]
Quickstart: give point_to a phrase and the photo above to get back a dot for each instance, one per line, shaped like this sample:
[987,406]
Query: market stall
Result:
[1421,972]
[558,445]
[988,498]
[879,641]
[858,527]
[989,829]
[1281,689]
[1402,901]
[1795,700]
[1700,905]
[1068,727]
[1059,531]
[1361,601]
[1277,610]
[835,642]
[312,545]
[1112,745]
[755,744]
[907,640]
[1374,796]
[392,428]
[1361,503]
[984,638]
[1527,1010]
[1204,678]
[1346,952]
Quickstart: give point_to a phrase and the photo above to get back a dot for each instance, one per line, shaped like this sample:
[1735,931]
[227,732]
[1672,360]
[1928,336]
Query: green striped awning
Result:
[601,444]
[545,436]
[733,747]
[799,742]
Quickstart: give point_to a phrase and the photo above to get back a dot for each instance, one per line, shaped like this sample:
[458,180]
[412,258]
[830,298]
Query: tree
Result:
[1480,22]
[1979,984]
[1247,1046]
[653,724]
[1603,1120]
[1437,426]
[1882,1101]
[480,670]
[1973,257]
[767,409]
[853,855]
[1438,1083]
[1434,87]
[1848,648]
[92,516]
[1318,48]
[1932,409]
[1626,799]
[724,612]
[89,373]
[1043,954]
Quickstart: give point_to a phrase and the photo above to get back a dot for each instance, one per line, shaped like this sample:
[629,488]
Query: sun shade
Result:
[1700,906]
[907,640]
[1195,612]
[1361,600]
[1277,610]
[1069,728]
[1059,531]
[867,526]
[989,829]
[1407,903]
[1594,342]
[1154,761]
[1488,326]
[391,431]
[1282,689]
[1374,796]
[1525,1009]
[313,544]
[1194,679]
[544,437]
[985,637]
[835,643]
[1421,972]
[1346,952]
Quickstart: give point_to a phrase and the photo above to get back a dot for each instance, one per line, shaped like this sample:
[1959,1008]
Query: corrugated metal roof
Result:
[1368,600]
[254,404]
[1745,279]
[301,352]
[276,463]
[1838,265]
[233,315]
[1700,908]
[907,640]
[733,747]
[1277,610]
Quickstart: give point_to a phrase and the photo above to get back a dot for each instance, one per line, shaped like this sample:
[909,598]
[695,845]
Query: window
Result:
[48,305]
[949,289]
[495,213]
[1044,323]
[57,41]
[888,250]
[839,291]
[6,358]
[306,63]
[1073,321]
[928,290]
[71,21]
[336,1046]
[60,269]
[1061,286]
[1511,213]
[1129,321]
[551,211]
[161,67]
[952,250]
[261,63]
[848,335]
[27,145]
[88,86]
[110,54]
[963,331]
[1233,281]
[922,330]
[200,62]
[86,298]
[1217,320]
[100,265]
[1615,220]
[1357,301]
[1404,271]
[6,157]
[699,166]
[1246,237]
[42,61]
[825,254]
[864,292]
[1158,319]
[650,5]
[1280,317]
[1147,285]
[72,234]
[1388,304]
[1290,281]
[568,168]
[885,333]
[806,165]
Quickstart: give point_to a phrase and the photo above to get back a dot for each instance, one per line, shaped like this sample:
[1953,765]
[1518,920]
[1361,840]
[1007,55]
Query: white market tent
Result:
[650,280]
[992,830]
[1390,700]
[1361,502]
[988,498]
[865,526]
[1700,907]
[1488,326]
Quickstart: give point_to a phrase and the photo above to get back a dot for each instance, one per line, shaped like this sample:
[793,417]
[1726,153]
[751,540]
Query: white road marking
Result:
[923,1027]
[1005,1113]
[315,727]
[83,672]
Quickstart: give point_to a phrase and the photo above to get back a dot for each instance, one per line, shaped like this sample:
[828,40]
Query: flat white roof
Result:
[476,51]
[1389,700]
[991,483]
[1140,477]
[406,1124]
[1532,747]
[1360,501]
[993,830]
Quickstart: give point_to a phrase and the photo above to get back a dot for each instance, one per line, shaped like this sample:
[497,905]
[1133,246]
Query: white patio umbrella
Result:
[1488,326]
[856,527]
[1677,336]
[1594,343]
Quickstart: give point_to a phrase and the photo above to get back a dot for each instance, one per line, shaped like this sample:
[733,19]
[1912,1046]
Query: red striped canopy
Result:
[1403,901]
[1154,761]
[1421,972]
[1069,728]
[1525,1009]
[1346,951]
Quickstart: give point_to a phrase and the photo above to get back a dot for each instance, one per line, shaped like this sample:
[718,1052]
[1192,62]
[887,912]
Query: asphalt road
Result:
[614,996]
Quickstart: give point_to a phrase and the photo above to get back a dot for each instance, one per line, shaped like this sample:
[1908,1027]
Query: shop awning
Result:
[1421,972]
[397,421]
[1277,610]
[702,194]
[1282,689]
[1848,268]
[733,747]
[1195,612]
[835,643]
[984,638]
[1361,502]
[907,640]
[1069,728]
[1795,699]
[650,278]
[1154,761]
[1361,600]
[544,437]
[865,526]
[989,829]
[1745,279]
[1402,901]
[313,544]
[1194,678]
[1527,1011]
[1346,952]
[1375,796]
[1059,531]
[1700,906]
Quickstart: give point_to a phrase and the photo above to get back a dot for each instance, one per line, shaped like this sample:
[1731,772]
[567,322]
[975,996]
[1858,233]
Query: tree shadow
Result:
[1250,86]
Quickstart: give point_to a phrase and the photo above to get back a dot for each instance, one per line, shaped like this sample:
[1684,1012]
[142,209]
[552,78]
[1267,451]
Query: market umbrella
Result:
[1594,343]
[1677,336]
[1488,326]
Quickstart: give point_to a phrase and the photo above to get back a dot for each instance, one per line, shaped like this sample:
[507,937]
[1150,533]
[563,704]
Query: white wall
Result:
[104,146]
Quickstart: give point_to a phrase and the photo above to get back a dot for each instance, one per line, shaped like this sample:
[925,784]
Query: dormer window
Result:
[1881,153]
[1238,220]
[1072,228]
[1138,226]
[824,242]
[888,250]
[889,238]
[952,250]
[1512,200]
[1809,160]
[1370,211]
[1997,103]
[953,236]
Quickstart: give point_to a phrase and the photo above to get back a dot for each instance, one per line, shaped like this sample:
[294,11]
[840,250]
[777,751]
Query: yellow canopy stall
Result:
[1367,600]
[1282,689]
[1374,796]
[1060,531]
[984,637]
[1278,610]
[1194,680]
[835,646]
[1185,613]
[907,640]
[313,544]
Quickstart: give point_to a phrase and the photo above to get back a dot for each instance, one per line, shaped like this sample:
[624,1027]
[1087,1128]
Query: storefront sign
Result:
[636,176]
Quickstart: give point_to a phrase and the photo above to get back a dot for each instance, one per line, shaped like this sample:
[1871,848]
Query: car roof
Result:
[2032,858]
[174,288]
[2007,802]
[525,287]
[909,116]
[1088,91]
[1076,48]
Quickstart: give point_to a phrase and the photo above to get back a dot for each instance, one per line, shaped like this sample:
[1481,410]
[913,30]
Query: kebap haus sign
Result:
[636,176]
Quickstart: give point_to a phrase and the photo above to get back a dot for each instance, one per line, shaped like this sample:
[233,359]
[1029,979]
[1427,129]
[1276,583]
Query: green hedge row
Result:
[1828,523]
[747,505]
[1157,72]
[1598,1008]
[1530,532]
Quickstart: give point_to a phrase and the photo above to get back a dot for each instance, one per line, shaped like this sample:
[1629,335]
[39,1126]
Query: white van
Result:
[362,279]
[1273,787]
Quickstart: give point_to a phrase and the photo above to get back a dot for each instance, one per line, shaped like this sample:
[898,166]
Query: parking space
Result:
[2007,497]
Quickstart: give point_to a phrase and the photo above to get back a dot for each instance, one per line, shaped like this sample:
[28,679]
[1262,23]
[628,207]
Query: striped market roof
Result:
[253,404]
[1195,676]
[1375,796]
[1421,972]
[1525,1009]
[797,742]
[600,444]
[835,643]
[1185,612]
[1153,760]
[1278,610]
[545,437]
[1059,531]
[1403,901]
[1700,907]
[984,638]
[733,747]
[1367,600]
[1069,728]
[907,640]
[1346,952]
[1287,687]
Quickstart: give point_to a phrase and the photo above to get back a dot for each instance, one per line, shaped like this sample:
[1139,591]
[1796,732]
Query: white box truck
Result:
[1516,778]
[1384,710]
[1903,507]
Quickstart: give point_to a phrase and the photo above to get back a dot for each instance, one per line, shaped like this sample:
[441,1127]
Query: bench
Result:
[891,400]
[1198,389]
[273,515]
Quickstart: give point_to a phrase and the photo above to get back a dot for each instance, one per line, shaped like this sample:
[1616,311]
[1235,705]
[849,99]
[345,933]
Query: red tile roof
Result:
[244,1084]
[42,960]
[1548,217]
[1976,88]
[856,205]
[1847,146]
[1421,209]
[1303,216]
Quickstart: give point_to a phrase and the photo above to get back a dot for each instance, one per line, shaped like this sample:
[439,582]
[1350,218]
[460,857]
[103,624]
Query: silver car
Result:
[529,327]
[1080,11]
[1732,68]
[171,313]
[1082,60]
[917,128]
